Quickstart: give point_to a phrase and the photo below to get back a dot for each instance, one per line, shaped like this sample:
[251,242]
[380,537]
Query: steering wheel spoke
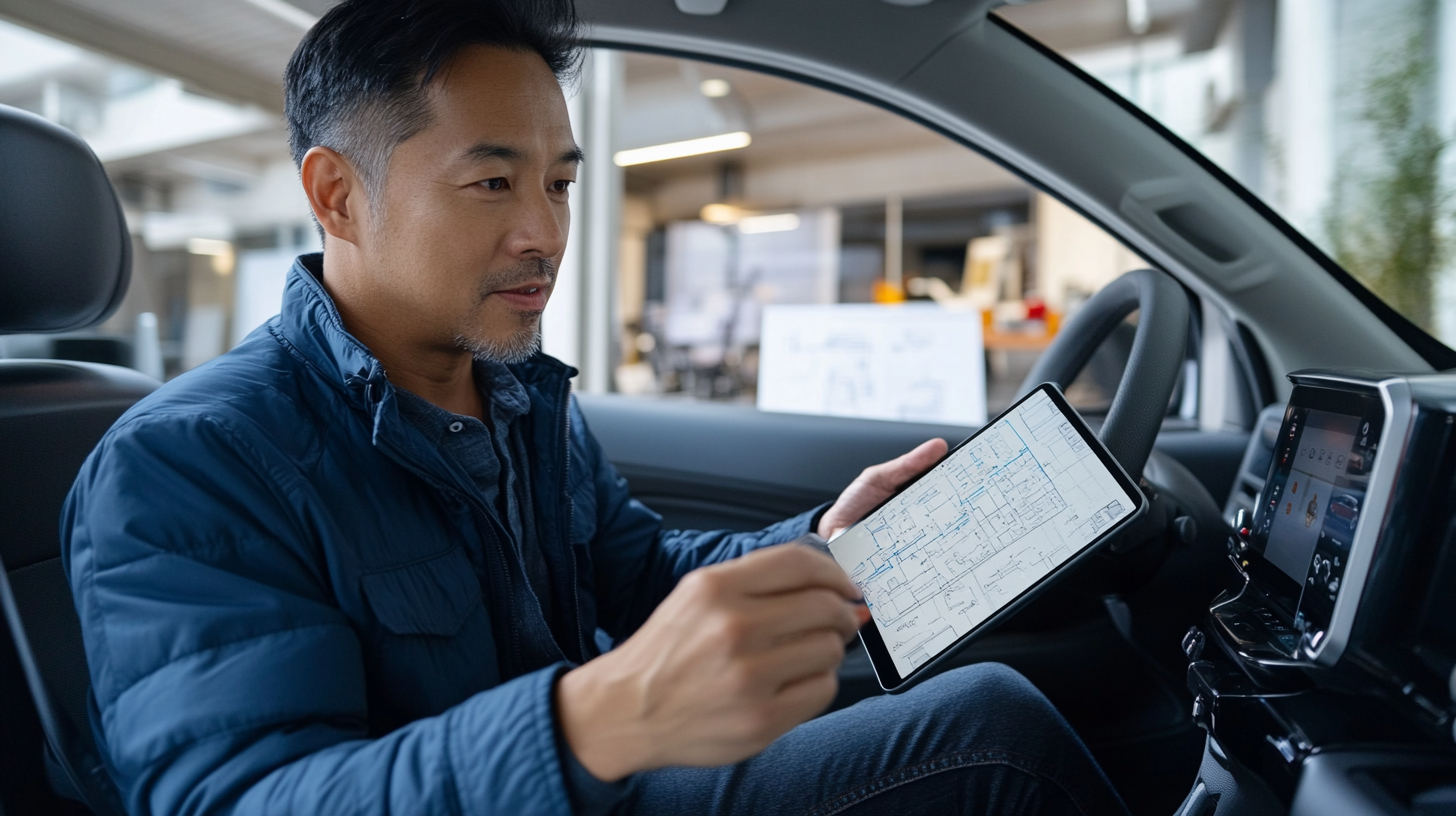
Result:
[1158,351]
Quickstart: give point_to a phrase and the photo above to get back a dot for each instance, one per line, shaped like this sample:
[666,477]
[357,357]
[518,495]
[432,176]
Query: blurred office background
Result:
[720,209]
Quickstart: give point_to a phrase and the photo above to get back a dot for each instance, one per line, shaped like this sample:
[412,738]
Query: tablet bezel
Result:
[885,672]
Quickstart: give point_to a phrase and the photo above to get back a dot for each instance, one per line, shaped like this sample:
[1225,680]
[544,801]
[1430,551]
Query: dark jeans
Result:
[976,740]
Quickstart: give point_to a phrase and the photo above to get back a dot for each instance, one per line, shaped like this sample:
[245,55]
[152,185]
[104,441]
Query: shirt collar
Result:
[505,397]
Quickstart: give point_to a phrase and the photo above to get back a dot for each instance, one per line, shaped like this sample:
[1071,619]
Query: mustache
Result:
[518,274]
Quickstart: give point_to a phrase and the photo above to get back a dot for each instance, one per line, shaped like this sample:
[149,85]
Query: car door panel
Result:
[704,463]
[717,466]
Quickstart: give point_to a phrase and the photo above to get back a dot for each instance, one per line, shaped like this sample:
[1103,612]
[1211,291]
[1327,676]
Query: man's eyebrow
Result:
[485,151]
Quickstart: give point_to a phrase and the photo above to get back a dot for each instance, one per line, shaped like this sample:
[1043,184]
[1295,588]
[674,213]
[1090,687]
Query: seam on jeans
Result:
[931,767]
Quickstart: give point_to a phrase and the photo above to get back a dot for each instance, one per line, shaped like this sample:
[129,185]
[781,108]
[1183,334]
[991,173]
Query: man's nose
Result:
[539,227]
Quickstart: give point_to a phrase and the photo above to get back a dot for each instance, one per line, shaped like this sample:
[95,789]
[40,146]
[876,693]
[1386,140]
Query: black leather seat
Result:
[65,261]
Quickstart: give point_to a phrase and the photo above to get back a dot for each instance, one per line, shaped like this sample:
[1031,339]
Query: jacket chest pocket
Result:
[433,646]
[434,596]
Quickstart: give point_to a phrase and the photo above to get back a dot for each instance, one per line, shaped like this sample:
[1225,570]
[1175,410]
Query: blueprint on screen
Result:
[998,515]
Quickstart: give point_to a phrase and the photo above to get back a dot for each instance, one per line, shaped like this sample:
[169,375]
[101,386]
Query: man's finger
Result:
[901,469]
[807,656]
[790,614]
[789,567]
[807,696]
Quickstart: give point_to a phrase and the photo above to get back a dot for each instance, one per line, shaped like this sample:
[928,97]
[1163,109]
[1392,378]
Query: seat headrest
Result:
[65,255]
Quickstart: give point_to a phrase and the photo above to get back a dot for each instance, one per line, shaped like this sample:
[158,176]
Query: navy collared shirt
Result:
[495,458]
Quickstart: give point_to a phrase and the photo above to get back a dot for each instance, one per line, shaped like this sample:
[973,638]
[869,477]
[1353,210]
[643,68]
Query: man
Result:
[365,562]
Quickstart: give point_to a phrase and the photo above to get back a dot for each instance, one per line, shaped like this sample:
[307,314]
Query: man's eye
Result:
[561,186]
[494,184]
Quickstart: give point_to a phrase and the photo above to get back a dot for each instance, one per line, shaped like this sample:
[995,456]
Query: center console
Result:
[1332,658]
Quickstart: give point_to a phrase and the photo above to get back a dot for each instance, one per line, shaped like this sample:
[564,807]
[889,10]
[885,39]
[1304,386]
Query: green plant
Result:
[1392,234]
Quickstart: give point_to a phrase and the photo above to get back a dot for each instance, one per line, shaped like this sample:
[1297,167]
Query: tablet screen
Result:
[1001,512]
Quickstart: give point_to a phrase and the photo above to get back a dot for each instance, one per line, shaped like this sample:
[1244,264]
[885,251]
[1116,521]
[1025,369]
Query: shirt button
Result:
[457,427]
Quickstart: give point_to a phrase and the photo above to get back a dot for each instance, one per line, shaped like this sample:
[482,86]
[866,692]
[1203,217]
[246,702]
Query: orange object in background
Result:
[885,293]
[1022,336]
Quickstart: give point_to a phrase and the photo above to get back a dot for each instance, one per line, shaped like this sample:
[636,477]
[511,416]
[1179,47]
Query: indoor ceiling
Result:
[234,49]
[788,120]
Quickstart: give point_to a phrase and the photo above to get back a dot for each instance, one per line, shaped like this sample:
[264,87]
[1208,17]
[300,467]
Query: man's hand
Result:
[737,654]
[876,484]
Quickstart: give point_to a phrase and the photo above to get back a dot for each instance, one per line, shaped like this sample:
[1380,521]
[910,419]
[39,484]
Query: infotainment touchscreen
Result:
[1313,500]
[1023,497]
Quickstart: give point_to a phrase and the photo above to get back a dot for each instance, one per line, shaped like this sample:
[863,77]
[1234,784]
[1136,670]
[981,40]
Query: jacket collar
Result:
[311,324]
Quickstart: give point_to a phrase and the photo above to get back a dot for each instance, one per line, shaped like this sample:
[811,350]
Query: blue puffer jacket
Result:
[293,604]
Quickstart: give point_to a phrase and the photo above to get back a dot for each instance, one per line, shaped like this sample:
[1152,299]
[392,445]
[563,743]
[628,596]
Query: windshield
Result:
[1337,113]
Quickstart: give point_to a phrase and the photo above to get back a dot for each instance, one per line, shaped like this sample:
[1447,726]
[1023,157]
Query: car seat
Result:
[65,261]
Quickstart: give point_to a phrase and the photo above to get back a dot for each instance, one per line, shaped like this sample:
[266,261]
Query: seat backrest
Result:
[65,261]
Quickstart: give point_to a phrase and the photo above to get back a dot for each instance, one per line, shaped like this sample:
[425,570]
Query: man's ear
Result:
[335,192]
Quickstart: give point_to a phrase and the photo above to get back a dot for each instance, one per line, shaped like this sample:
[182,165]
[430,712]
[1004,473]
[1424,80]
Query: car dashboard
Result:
[1328,666]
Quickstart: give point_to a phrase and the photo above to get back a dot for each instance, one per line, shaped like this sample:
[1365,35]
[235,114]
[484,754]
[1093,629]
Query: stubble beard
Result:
[525,341]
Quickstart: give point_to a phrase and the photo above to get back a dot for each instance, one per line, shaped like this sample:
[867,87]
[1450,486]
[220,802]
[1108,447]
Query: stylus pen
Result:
[817,542]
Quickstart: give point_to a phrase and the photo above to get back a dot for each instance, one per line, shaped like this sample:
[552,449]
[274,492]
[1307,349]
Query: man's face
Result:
[474,211]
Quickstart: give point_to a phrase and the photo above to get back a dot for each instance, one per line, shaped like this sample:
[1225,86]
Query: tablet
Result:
[981,532]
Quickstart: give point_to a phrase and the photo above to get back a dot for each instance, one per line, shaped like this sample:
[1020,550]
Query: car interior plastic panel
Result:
[65,261]
[747,468]
[1375,783]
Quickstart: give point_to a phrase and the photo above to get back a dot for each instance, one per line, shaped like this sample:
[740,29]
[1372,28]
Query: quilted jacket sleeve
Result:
[225,679]
[637,563]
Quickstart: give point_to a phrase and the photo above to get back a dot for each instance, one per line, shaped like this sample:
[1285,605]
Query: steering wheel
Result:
[1157,357]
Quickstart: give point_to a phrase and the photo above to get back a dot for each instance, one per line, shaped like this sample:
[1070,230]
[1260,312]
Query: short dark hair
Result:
[357,82]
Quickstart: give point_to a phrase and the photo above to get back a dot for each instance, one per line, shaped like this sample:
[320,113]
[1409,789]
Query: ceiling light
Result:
[286,12]
[678,150]
[722,214]
[209,246]
[220,251]
[783,222]
[715,88]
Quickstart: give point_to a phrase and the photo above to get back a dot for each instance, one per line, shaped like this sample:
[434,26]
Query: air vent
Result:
[1255,465]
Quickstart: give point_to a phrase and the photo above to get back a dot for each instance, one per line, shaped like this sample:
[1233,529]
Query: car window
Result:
[827,256]
[1339,115]
[737,237]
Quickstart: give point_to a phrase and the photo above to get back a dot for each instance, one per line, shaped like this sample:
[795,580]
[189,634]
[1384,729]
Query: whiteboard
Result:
[909,362]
